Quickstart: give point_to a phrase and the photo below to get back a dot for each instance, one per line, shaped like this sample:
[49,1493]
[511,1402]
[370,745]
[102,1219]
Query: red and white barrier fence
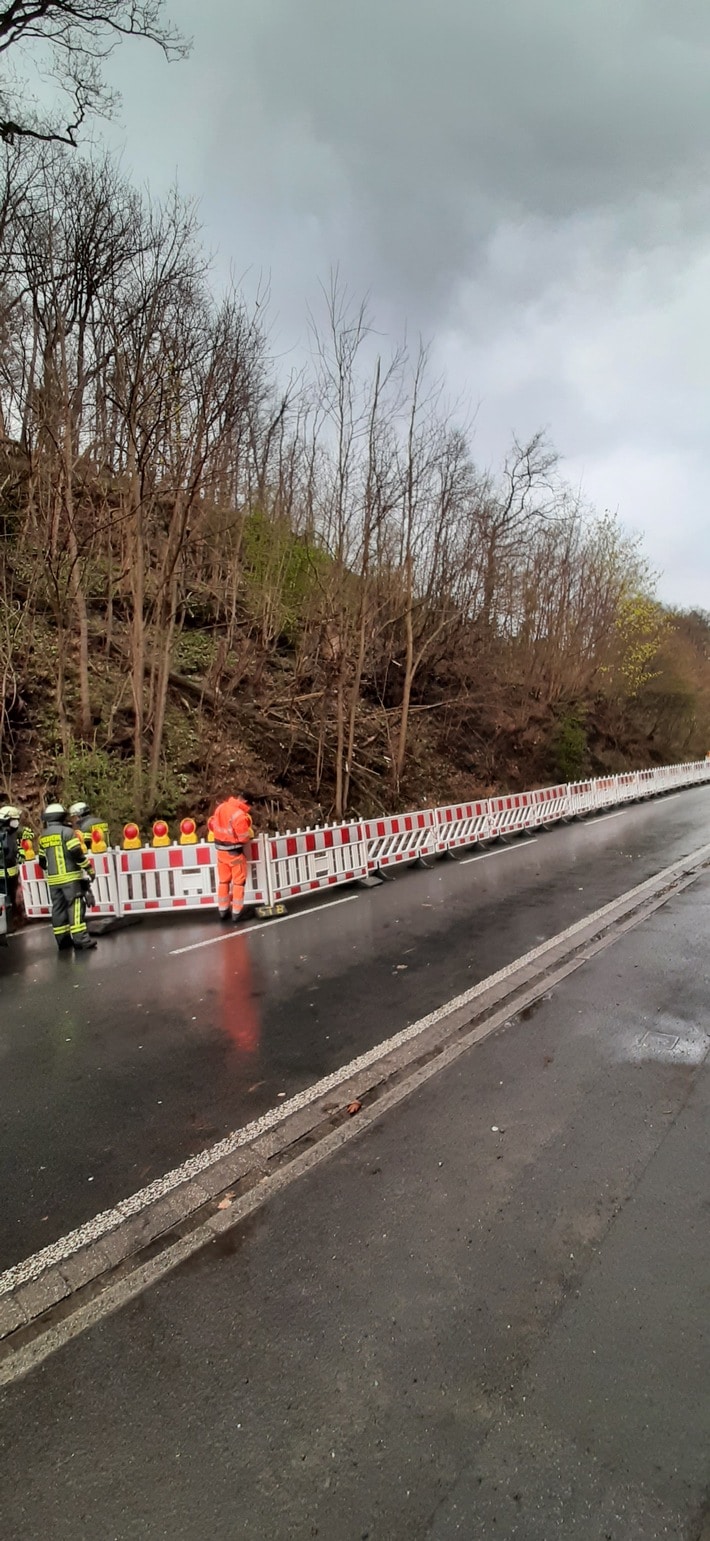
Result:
[461,824]
[581,798]
[35,892]
[403,838]
[315,858]
[162,880]
[283,867]
[511,815]
[551,805]
[183,877]
[106,886]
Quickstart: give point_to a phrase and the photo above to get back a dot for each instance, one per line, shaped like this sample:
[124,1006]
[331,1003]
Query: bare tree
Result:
[507,515]
[70,40]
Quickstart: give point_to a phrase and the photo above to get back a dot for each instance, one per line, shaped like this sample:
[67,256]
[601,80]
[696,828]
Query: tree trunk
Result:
[162,681]
[340,746]
[401,753]
[354,703]
[76,587]
[137,581]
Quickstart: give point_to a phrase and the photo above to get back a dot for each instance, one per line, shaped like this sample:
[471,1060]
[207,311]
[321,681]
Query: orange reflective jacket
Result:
[231,822]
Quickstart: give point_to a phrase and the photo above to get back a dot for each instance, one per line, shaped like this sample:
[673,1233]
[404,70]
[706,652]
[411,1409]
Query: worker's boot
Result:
[85,943]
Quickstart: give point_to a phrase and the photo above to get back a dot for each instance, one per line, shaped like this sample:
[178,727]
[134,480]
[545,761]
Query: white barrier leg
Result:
[271,907]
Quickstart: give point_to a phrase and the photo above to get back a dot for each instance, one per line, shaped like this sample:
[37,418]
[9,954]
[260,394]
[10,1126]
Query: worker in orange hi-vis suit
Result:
[231,822]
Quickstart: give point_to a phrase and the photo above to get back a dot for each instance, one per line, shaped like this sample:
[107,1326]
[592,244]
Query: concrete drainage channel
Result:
[53,1297]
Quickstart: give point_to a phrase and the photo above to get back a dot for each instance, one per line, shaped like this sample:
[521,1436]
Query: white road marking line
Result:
[505,852]
[606,816]
[32,1267]
[229,936]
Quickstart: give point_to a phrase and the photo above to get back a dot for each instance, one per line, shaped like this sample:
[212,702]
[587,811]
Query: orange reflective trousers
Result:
[231,881]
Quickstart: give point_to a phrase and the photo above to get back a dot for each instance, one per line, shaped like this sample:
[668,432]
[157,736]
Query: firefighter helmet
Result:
[54,813]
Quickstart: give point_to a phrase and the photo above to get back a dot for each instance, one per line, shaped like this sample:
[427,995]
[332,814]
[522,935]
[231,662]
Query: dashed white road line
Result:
[229,936]
[605,816]
[506,851]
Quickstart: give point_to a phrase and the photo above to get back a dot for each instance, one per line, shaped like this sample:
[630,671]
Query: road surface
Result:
[118,1065]
[485,1317]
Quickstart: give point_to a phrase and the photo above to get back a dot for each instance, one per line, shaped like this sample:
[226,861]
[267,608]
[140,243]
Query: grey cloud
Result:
[525,179]
[443,117]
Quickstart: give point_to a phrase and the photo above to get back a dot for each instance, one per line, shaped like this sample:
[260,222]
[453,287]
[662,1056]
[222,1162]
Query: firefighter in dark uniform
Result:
[10,859]
[69,872]
[85,822]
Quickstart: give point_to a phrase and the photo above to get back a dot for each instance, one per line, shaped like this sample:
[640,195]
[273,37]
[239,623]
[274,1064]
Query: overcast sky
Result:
[525,181]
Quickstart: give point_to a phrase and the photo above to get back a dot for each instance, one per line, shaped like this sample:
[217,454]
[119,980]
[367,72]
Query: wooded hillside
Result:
[211,575]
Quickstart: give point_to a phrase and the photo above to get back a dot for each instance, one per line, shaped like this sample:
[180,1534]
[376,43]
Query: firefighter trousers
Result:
[10,887]
[231,881]
[69,915]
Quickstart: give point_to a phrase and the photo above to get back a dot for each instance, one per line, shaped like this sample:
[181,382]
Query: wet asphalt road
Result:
[117,1066]
[485,1317]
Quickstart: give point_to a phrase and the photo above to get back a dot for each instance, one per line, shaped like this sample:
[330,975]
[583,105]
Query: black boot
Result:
[85,943]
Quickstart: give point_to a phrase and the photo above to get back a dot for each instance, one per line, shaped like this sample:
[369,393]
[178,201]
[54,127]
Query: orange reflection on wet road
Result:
[239,1011]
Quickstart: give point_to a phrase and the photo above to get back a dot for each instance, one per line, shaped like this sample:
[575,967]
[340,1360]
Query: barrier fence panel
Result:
[183,877]
[258,889]
[627,787]
[461,824]
[606,791]
[581,798]
[551,804]
[161,879]
[315,858]
[511,815]
[35,893]
[104,888]
[107,900]
[402,838]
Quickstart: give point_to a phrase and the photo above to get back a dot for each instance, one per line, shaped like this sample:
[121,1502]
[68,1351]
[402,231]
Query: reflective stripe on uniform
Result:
[78,924]
[54,849]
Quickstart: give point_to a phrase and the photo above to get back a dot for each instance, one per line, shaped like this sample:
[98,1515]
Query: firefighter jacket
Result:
[231,825]
[88,824]
[62,856]
[9,860]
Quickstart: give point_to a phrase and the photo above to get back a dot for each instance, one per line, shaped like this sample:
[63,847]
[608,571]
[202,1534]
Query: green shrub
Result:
[282,574]
[104,781]
[194,652]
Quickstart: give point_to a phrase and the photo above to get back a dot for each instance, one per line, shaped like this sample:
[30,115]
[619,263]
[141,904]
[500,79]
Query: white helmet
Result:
[53,813]
[78,810]
[9,815]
